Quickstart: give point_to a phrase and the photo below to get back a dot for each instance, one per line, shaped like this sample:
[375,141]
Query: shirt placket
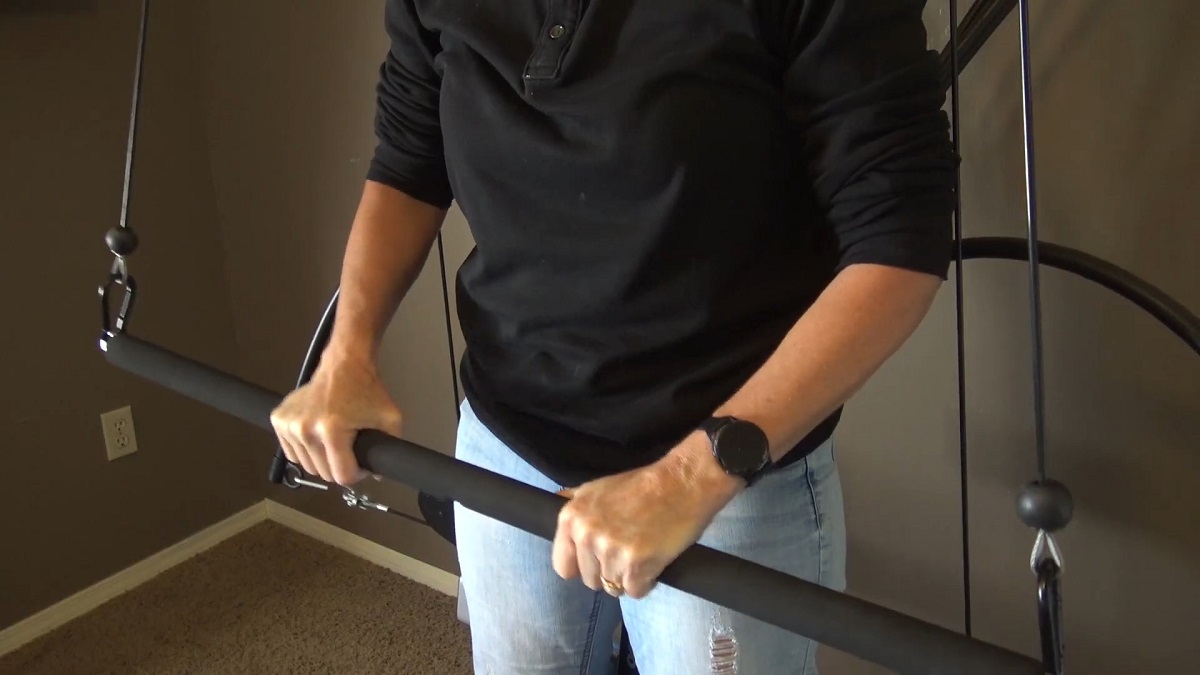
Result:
[545,63]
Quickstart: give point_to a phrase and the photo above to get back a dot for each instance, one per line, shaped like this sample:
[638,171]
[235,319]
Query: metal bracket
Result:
[357,501]
[293,478]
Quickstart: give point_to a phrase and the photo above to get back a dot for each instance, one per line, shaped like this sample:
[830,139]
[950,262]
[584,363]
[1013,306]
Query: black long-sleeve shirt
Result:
[657,191]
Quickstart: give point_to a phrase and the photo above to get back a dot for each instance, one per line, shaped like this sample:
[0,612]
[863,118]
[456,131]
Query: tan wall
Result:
[68,517]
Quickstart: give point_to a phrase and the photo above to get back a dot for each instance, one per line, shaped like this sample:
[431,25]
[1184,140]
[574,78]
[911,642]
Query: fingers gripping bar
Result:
[869,631]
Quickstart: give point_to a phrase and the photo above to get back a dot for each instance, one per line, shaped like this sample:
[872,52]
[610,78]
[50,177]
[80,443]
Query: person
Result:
[700,227]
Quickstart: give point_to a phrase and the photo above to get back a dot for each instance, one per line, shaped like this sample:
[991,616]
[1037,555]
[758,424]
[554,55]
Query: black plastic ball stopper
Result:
[121,241]
[1045,505]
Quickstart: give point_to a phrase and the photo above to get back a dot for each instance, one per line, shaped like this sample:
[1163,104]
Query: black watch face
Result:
[742,447]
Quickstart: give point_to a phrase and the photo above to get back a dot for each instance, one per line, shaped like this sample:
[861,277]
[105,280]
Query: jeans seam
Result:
[591,636]
[812,493]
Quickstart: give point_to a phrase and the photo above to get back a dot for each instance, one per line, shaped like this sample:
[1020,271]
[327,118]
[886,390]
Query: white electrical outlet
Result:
[119,439]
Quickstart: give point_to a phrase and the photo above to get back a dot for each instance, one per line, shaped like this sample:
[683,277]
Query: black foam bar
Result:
[869,631]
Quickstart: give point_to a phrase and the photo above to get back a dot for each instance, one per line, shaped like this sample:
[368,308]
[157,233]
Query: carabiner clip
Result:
[1047,565]
[119,276]
[1045,548]
[1050,615]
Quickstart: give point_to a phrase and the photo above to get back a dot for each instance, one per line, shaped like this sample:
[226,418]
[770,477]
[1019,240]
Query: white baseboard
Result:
[90,598]
[420,572]
[84,601]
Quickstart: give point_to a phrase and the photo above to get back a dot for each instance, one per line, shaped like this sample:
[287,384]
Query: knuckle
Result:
[295,427]
[583,531]
[328,425]
[602,544]
[566,515]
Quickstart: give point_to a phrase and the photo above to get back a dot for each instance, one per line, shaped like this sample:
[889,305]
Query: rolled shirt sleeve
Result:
[409,154]
[864,91]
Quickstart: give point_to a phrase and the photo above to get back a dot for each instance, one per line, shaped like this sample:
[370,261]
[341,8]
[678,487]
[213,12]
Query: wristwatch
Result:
[741,448]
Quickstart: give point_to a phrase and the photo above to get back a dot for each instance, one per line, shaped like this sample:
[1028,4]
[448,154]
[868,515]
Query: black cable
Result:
[1035,300]
[958,313]
[133,115]
[412,519]
[449,325]
[121,240]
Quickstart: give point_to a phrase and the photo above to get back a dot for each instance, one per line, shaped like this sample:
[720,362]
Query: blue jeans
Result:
[525,619]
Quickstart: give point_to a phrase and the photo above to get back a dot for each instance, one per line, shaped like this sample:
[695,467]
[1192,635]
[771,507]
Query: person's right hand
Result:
[317,423]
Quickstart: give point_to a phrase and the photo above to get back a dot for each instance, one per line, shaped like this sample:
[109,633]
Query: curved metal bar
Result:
[1169,311]
[312,357]
[319,340]
[984,17]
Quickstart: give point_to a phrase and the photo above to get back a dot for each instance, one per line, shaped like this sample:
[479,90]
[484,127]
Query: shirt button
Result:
[557,31]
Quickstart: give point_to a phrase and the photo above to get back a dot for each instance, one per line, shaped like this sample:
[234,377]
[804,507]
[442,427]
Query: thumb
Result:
[569,493]
[342,462]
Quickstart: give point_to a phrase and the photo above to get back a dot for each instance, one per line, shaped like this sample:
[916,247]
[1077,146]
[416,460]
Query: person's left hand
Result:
[619,532]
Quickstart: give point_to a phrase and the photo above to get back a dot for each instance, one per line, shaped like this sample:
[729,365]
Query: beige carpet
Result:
[267,601]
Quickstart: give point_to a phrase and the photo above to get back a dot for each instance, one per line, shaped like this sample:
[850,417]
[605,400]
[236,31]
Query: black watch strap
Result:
[712,425]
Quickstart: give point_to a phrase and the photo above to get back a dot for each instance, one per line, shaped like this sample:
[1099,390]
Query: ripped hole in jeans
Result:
[722,645]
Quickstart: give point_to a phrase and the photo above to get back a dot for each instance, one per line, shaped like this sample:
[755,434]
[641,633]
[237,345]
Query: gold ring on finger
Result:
[612,587]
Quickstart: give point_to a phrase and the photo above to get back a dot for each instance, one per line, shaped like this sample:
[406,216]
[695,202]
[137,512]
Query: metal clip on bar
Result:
[357,501]
[293,477]
[1046,562]
[122,242]
[110,327]
[1049,586]
[1045,548]
[1047,507]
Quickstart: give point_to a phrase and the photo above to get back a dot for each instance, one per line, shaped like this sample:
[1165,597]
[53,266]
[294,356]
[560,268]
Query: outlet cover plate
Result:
[119,437]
